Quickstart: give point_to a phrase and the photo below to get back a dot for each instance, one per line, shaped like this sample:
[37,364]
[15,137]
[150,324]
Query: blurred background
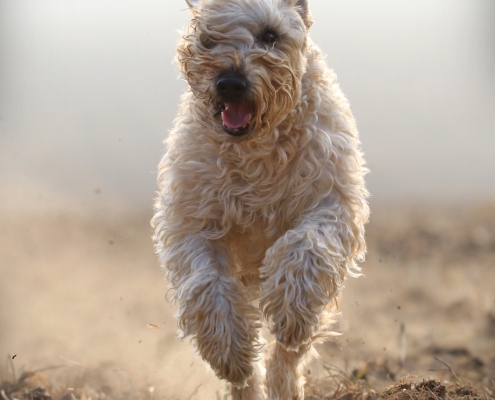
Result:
[88,92]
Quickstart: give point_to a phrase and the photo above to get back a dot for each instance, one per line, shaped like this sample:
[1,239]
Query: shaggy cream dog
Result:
[262,200]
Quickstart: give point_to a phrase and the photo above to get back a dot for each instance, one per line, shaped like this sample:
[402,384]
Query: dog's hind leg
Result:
[255,388]
[284,378]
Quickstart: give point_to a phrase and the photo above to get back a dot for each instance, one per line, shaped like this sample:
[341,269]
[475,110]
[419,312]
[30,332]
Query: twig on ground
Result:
[431,391]
[11,363]
[403,345]
[50,367]
[449,367]
[73,362]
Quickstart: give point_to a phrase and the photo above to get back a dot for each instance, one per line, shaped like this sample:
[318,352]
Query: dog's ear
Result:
[192,4]
[303,10]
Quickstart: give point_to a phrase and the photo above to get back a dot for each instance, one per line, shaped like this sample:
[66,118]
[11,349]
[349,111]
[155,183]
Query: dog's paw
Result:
[232,351]
[225,330]
[236,366]
[295,313]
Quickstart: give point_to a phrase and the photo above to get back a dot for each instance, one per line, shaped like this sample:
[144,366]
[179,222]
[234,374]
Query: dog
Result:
[262,202]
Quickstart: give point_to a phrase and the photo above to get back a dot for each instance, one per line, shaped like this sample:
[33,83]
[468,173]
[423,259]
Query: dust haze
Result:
[88,91]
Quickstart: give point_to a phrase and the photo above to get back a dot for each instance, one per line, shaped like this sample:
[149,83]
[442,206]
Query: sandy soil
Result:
[78,293]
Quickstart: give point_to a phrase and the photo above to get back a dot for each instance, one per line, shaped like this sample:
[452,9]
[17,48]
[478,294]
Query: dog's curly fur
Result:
[267,224]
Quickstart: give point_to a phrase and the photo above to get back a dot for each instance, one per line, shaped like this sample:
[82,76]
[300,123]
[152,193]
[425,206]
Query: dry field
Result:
[83,312]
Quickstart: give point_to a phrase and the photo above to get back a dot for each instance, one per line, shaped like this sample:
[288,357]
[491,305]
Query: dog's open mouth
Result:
[236,118]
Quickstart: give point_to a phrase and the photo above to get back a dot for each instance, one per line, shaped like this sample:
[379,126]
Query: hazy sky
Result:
[88,92]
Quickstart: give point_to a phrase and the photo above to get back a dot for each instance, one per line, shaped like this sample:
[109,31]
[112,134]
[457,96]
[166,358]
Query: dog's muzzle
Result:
[232,88]
[236,110]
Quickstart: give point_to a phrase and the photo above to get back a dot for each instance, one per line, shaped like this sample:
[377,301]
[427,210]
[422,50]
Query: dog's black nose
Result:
[232,87]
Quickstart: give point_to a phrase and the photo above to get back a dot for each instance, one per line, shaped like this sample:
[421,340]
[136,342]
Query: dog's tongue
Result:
[235,116]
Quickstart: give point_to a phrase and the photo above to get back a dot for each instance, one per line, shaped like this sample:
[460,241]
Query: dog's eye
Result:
[207,41]
[269,37]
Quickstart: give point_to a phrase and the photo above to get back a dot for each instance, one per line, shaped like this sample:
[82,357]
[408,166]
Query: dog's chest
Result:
[270,200]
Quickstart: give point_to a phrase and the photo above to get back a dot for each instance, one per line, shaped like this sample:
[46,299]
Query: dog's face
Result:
[244,60]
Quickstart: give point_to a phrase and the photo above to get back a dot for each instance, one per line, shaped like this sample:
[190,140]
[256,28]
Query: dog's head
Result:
[244,61]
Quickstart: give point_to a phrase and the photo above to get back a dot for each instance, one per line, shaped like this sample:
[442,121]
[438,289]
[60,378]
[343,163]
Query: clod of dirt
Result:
[30,386]
[36,394]
[430,390]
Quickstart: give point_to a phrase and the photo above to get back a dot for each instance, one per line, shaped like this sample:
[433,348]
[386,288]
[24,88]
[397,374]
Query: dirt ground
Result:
[83,311]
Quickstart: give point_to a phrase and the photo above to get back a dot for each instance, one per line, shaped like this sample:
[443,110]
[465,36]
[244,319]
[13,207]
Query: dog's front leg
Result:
[304,269]
[212,306]
[302,272]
